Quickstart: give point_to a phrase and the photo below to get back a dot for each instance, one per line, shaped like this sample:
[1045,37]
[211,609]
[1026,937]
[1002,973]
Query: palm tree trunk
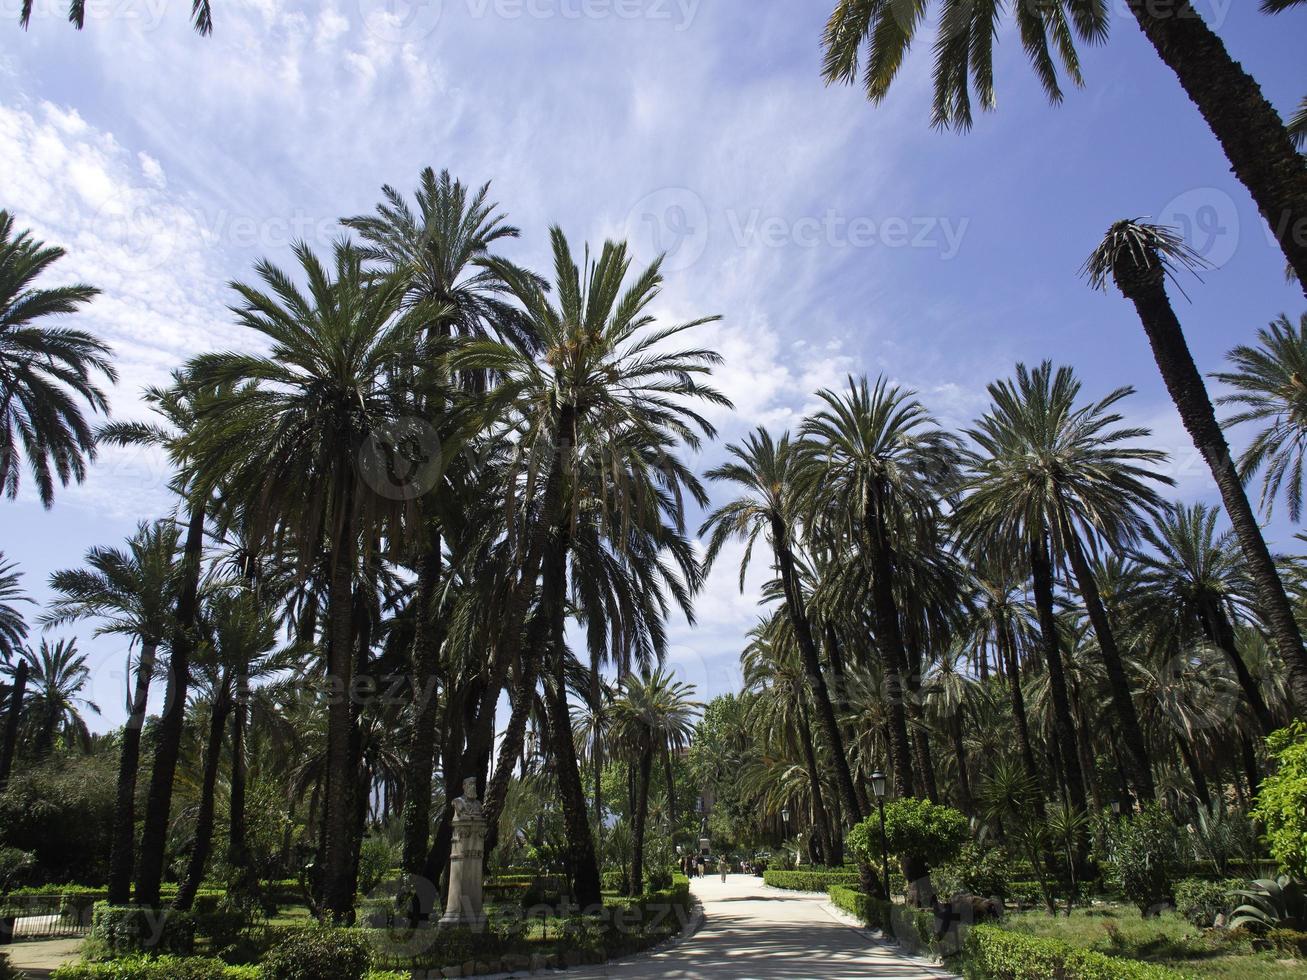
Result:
[820,816]
[12,719]
[1145,288]
[638,821]
[812,667]
[238,849]
[121,849]
[190,883]
[154,834]
[338,893]
[960,751]
[427,638]
[1195,772]
[1117,681]
[1250,767]
[1254,137]
[1218,629]
[1042,574]
[835,654]
[1008,656]
[671,785]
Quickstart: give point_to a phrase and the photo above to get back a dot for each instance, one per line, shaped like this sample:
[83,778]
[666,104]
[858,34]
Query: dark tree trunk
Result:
[829,725]
[835,653]
[819,815]
[1008,656]
[122,846]
[1195,773]
[421,760]
[238,848]
[1218,629]
[1118,683]
[200,849]
[960,751]
[1064,726]
[12,718]
[337,859]
[1144,285]
[1256,142]
[638,821]
[1250,767]
[158,806]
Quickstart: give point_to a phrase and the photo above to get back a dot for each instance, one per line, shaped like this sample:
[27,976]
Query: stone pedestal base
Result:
[463,909]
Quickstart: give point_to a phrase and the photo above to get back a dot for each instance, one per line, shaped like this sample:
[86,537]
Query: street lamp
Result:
[878,787]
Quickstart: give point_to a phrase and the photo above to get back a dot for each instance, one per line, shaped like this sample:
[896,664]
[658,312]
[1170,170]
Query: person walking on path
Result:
[723,867]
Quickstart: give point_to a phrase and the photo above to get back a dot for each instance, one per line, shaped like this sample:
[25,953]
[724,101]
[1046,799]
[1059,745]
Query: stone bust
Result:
[467,805]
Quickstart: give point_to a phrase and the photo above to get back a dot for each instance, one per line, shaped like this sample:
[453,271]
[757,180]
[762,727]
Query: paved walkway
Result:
[38,958]
[751,931]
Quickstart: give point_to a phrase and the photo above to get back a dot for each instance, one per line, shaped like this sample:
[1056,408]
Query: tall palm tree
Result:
[949,690]
[131,592]
[440,249]
[876,463]
[1138,257]
[58,676]
[1270,383]
[610,393]
[1195,581]
[765,470]
[13,631]
[1255,139]
[289,435]
[653,714]
[44,371]
[1055,478]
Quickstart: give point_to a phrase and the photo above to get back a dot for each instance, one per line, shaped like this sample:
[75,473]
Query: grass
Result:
[1167,939]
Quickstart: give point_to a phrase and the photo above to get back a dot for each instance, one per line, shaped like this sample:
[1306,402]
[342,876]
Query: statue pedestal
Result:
[465,903]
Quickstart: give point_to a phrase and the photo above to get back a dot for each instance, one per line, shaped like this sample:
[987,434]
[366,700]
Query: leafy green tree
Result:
[1142,857]
[1282,800]
[44,371]
[922,834]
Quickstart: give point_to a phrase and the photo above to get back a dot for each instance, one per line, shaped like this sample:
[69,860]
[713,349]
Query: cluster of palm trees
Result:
[1020,602]
[392,515]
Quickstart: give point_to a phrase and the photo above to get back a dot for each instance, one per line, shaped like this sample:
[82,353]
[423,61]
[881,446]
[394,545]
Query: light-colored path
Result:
[751,931]
[37,958]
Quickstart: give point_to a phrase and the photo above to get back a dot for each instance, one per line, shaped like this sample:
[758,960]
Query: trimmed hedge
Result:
[176,968]
[320,954]
[914,929]
[123,930]
[808,881]
[992,953]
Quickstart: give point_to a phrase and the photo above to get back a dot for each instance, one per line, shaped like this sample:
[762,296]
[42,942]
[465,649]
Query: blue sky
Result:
[831,235]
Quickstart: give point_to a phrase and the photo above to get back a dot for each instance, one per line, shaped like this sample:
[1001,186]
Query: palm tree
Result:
[441,251]
[766,470]
[289,435]
[1052,477]
[58,677]
[1195,580]
[949,690]
[132,593]
[1256,142]
[13,631]
[201,15]
[876,464]
[1270,382]
[1138,257]
[609,395]
[653,714]
[44,371]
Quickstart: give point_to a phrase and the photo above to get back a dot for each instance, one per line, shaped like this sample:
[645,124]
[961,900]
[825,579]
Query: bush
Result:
[976,870]
[124,930]
[156,968]
[62,812]
[320,953]
[1142,857]
[1282,799]
[991,953]
[1200,902]
[916,829]
[376,857]
[914,929]
[809,881]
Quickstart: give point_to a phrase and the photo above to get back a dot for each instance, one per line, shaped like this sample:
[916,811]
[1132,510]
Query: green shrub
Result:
[1142,857]
[156,968]
[320,953]
[913,928]
[1282,799]
[62,812]
[1290,942]
[809,881]
[1200,901]
[991,953]
[913,828]
[124,930]
[976,870]
[376,857]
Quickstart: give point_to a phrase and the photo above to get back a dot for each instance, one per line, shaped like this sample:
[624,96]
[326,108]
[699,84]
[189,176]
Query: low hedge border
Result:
[993,953]
[913,929]
[808,881]
[176,968]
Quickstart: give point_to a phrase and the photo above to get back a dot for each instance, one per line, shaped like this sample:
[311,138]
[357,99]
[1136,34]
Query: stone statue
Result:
[466,853]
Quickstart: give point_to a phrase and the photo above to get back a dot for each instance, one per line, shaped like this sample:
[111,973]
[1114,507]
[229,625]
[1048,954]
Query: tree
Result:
[58,675]
[44,371]
[1138,257]
[1252,134]
[920,832]
[297,436]
[765,469]
[13,631]
[132,593]
[653,715]
[1282,801]
[1270,383]
[1056,478]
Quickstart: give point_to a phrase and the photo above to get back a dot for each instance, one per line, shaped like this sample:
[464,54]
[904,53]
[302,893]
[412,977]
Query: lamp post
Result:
[878,787]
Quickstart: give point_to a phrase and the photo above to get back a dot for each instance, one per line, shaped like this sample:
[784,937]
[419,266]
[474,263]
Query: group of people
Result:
[697,865]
